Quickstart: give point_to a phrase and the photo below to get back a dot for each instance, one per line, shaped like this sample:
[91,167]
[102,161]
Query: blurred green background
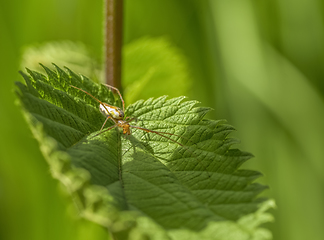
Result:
[259,64]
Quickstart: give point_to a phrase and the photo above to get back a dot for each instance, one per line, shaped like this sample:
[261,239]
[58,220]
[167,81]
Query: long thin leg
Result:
[159,133]
[94,99]
[104,123]
[132,119]
[121,98]
[104,130]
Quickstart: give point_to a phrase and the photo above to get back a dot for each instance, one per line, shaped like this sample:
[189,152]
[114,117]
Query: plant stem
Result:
[113,42]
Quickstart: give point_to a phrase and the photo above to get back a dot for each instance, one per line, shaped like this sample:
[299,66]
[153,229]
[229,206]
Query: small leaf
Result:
[180,186]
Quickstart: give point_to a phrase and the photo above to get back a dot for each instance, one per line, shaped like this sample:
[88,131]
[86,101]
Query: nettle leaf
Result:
[144,186]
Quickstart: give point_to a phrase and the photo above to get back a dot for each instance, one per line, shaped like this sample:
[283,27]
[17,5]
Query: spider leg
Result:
[132,119]
[101,103]
[106,122]
[121,98]
[159,133]
[105,130]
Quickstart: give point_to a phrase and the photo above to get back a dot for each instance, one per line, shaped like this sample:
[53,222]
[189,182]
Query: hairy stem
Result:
[113,42]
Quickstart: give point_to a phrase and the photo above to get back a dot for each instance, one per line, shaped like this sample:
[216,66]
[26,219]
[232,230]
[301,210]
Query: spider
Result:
[117,115]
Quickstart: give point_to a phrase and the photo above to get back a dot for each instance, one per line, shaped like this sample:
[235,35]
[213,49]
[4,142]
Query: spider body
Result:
[111,111]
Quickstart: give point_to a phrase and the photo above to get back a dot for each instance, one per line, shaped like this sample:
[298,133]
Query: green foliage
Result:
[278,111]
[64,53]
[144,185]
[152,67]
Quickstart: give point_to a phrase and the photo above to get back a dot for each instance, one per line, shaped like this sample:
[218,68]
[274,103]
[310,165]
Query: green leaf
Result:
[185,185]
[153,66]
[76,55]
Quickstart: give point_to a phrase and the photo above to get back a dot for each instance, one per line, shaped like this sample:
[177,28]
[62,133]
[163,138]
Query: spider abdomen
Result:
[112,111]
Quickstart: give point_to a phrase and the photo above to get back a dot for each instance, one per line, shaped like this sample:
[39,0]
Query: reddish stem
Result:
[113,42]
